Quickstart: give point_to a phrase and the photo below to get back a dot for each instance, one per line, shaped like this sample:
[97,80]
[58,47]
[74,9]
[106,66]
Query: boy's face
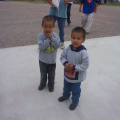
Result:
[48,26]
[77,39]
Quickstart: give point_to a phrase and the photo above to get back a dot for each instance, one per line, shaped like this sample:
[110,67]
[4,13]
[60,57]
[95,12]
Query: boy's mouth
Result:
[47,32]
[74,43]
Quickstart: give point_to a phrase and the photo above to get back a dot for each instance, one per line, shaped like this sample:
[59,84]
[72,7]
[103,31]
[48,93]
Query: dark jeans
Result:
[74,88]
[47,70]
[68,13]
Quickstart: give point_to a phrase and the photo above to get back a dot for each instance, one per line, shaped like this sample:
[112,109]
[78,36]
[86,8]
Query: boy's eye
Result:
[78,38]
[73,37]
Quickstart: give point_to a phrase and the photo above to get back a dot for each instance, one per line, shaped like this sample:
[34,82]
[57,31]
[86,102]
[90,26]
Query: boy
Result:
[48,42]
[89,6]
[76,61]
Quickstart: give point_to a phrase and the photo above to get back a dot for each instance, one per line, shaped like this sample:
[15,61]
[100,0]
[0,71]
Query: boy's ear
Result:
[83,40]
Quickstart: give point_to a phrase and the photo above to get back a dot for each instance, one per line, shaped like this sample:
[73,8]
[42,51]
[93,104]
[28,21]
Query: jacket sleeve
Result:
[55,41]
[85,62]
[63,57]
[43,42]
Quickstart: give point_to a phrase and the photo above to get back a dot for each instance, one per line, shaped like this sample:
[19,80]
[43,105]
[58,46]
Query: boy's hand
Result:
[54,8]
[68,66]
[95,10]
[48,35]
[65,2]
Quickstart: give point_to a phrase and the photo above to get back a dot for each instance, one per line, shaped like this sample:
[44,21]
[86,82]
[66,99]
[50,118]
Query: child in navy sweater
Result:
[89,7]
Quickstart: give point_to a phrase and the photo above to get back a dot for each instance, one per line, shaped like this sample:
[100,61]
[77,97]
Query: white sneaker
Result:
[62,46]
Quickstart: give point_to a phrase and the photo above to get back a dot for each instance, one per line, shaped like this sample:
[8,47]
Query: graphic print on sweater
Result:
[49,49]
[73,75]
[89,1]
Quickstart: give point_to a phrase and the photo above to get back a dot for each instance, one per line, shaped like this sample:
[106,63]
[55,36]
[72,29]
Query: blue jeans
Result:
[61,25]
[74,88]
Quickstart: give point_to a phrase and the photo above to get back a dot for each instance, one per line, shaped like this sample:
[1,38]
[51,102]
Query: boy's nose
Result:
[47,29]
[75,39]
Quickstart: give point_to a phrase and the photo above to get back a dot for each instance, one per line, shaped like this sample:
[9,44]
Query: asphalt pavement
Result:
[20,22]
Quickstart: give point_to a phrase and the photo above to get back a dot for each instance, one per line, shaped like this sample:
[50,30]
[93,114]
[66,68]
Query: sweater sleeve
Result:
[55,40]
[85,62]
[63,57]
[43,42]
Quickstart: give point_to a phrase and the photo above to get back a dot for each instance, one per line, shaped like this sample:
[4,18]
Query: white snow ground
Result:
[19,80]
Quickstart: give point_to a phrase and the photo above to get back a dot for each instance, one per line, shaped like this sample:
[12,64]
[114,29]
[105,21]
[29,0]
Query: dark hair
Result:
[79,30]
[48,18]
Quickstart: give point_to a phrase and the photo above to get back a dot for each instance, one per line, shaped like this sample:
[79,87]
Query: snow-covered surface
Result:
[20,77]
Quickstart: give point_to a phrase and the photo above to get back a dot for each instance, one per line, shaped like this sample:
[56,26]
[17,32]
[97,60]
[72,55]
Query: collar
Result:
[81,47]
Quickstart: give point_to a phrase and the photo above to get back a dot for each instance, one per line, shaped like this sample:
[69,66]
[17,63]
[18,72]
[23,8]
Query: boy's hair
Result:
[79,30]
[48,18]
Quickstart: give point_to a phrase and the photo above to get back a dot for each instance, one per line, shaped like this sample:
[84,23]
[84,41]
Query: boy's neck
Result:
[76,48]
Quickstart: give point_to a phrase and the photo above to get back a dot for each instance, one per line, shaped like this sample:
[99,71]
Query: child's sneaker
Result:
[72,106]
[41,87]
[61,99]
[51,89]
